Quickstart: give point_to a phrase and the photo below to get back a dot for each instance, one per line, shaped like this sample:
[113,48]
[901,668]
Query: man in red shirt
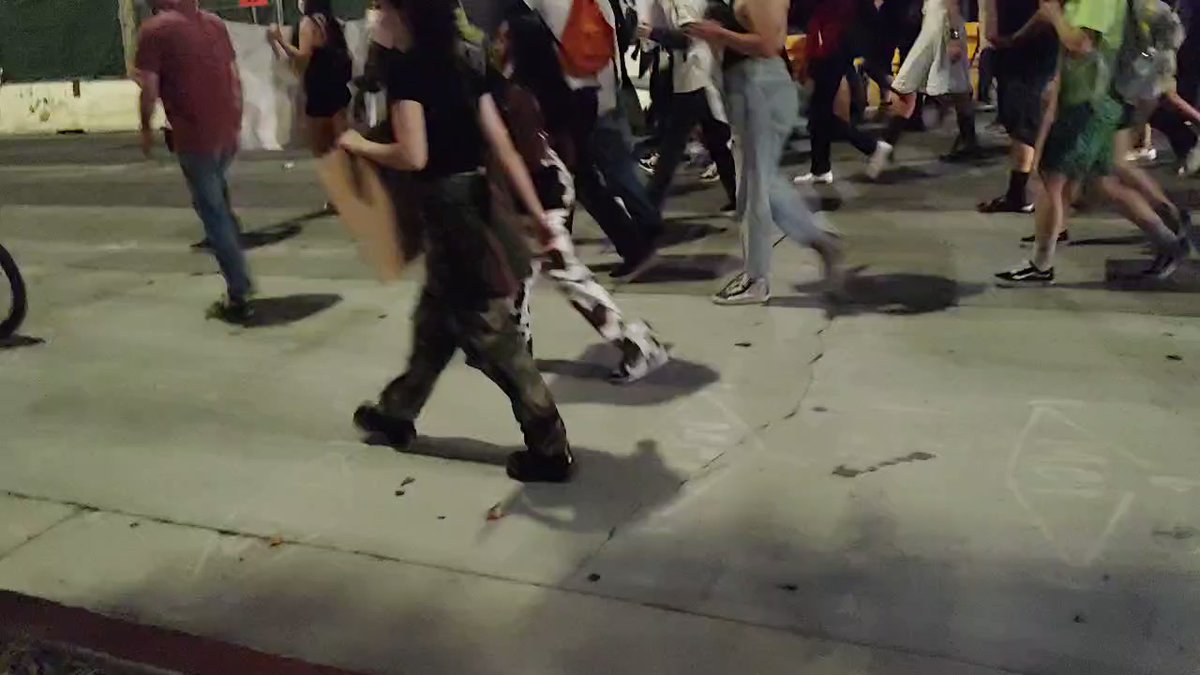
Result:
[185,58]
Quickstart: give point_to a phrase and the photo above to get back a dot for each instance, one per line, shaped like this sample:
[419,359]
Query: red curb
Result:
[44,621]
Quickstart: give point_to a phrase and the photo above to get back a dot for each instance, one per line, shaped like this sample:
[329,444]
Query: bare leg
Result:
[1133,176]
[1129,203]
[1050,218]
[321,135]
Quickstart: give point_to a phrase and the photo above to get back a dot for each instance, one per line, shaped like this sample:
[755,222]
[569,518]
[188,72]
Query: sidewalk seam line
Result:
[382,557]
[76,511]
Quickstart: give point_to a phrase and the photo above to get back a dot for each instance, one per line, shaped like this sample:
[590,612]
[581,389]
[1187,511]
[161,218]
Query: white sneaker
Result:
[879,160]
[814,178]
[649,163]
[1191,165]
[1139,155]
[639,367]
[711,174]
[742,290]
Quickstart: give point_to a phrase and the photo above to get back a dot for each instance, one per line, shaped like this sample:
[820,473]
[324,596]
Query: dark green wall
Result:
[60,40]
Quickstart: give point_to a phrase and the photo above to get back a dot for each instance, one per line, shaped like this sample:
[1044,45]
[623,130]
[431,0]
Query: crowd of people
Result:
[505,135]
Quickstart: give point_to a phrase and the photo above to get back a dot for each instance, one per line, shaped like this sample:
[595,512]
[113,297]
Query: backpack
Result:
[1153,35]
[588,43]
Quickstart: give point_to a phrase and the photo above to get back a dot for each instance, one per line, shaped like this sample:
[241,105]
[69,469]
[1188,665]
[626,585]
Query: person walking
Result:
[1080,145]
[322,59]
[830,58]
[695,101]
[443,118]
[937,66]
[535,83]
[605,170]
[1024,69]
[764,108]
[186,59]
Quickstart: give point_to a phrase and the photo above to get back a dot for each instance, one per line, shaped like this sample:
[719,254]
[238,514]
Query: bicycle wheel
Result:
[13,303]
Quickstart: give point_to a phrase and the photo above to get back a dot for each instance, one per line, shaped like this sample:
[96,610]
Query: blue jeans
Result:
[205,176]
[763,109]
[612,150]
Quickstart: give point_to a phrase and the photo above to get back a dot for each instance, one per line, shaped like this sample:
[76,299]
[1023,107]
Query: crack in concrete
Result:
[77,510]
[812,379]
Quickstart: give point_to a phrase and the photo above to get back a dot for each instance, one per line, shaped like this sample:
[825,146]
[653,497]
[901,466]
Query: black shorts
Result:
[327,100]
[1020,104]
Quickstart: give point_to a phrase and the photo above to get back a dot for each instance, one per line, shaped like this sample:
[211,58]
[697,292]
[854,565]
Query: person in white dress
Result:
[937,66]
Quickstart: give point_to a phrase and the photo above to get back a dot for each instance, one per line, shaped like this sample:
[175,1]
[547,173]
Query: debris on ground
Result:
[496,512]
[407,481]
[275,542]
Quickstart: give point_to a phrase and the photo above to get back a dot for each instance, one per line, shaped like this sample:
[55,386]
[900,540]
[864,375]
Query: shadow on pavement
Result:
[585,380]
[290,309]
[1126,275]
[1128,240]
[19,341]
[698,267]
[901,294]
[586,504]
[271,234]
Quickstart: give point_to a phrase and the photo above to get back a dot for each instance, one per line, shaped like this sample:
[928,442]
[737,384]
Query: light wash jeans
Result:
[764,107]
[205,174]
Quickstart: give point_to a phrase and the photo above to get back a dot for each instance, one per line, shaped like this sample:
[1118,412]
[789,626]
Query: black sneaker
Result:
[1029,275]
[1163,266]
[398,433]
[1063,237]
[628,270]
[1005,205]
[528,467]
[236,311]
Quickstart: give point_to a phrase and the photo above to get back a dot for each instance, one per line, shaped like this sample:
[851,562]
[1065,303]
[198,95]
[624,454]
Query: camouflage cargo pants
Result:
[492,344]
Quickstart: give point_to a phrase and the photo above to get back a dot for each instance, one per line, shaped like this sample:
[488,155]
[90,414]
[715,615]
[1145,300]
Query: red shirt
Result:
[829,27]
[194,58]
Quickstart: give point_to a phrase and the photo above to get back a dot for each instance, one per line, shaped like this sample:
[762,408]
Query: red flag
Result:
[254,3]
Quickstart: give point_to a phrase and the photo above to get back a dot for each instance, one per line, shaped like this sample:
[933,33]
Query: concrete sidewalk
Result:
[942,478]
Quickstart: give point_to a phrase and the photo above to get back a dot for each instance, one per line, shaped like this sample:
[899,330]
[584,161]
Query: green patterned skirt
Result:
[1081,140]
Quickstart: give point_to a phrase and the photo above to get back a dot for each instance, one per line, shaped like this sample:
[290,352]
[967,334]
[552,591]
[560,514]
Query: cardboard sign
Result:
[365,206]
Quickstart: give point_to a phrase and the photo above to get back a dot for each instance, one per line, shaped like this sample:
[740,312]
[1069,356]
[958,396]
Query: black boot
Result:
[398,433]
[529,467]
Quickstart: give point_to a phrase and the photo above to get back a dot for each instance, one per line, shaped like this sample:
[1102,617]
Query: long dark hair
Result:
[536,67]
[433,25]
[335,36]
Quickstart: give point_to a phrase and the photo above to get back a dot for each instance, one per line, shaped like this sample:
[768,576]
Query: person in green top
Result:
[1079,145]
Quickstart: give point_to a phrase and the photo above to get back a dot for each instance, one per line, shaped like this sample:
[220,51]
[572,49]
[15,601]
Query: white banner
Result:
[271,92]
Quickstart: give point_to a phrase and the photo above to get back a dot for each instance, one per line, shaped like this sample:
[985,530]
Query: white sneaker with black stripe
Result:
[743,290]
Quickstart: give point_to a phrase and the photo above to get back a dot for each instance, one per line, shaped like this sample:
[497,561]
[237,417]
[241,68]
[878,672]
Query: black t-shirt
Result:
[1035,56]
[449,93]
